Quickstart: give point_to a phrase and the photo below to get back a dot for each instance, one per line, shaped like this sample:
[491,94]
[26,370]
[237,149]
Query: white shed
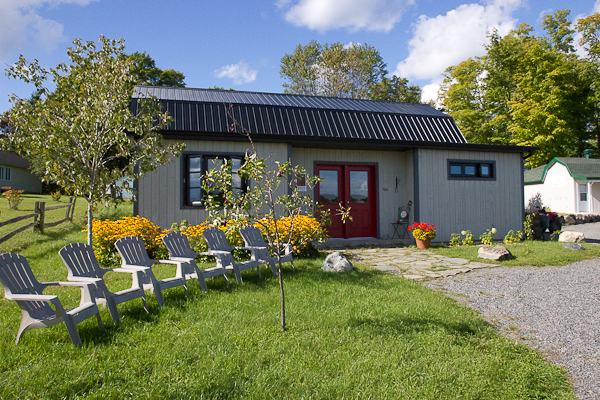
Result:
[566,185]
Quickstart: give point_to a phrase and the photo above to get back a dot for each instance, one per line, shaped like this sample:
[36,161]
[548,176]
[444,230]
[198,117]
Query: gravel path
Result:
[554,309]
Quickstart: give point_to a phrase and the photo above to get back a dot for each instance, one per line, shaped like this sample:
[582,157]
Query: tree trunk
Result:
[282,293]
[89,223]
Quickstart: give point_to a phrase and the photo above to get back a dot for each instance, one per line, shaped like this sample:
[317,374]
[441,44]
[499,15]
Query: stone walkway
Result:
[413,264]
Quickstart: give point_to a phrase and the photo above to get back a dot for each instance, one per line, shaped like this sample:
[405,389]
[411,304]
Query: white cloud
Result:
[20,24]
[323,15]
[446,40]
[430,91]
[579,50]
[239,73]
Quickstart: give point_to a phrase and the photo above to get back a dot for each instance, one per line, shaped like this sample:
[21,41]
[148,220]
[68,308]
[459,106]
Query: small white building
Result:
[566,185]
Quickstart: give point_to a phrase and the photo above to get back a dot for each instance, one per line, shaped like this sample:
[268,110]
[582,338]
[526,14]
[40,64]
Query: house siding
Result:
[159,193]
[559,190]
[22,179]
[475,205]
[390,165]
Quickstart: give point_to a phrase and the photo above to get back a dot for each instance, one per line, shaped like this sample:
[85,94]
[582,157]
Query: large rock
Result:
[571,236]
[497,253]
[573,246]
[336,262]
[570,220]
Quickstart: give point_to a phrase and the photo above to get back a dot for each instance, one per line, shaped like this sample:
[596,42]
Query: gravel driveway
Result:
[553,309]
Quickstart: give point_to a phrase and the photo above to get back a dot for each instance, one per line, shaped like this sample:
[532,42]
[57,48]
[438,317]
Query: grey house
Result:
[14,173]
[374,156]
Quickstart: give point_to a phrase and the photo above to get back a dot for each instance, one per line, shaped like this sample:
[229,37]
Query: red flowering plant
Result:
[422,230]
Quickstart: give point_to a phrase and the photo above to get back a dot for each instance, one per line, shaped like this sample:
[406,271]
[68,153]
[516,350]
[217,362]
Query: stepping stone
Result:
[387,268]
[414,277]
[460,261]
[421,264]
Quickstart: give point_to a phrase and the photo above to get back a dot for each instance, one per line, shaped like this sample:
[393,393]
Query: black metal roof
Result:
[268,114]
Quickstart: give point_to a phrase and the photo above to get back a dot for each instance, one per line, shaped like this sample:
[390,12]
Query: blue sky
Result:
[239,44]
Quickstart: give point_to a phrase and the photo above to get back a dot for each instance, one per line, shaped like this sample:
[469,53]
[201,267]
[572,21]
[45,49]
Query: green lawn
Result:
[532,253]
[363,334]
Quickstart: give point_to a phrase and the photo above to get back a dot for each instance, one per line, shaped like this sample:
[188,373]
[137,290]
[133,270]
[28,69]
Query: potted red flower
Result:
[423,233]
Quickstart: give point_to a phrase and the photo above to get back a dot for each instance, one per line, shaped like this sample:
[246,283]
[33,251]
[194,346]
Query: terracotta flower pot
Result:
[423,244]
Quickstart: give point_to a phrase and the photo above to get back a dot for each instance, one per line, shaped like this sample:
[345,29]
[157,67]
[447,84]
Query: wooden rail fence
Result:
[39,218]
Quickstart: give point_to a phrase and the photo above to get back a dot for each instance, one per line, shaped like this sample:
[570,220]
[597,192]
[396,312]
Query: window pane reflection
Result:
[359,187]
[328,187]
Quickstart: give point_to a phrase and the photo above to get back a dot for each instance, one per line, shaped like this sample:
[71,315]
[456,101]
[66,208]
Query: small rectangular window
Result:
[5,173]
[485,170]
[471,170]
[456,170]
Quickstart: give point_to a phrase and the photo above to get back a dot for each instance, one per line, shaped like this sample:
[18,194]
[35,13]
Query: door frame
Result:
[357,163]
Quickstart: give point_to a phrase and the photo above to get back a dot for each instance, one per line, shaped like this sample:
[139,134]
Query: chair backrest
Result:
[252,236]
[133,251]
[216,239]
[178,245]
[80,260]
[17,278]
[403,214]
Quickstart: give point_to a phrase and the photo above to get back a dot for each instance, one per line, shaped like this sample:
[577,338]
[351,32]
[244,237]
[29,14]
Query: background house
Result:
[14,172]
[374,156]
[566,185]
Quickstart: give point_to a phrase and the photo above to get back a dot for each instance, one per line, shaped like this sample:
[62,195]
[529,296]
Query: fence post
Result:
[42,215]
[68,208]
[35,218]
[72,207]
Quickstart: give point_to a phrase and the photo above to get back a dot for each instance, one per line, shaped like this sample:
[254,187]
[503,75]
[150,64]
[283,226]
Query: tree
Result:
[144,69]
[83,135]
[589,28]
[355,71]
[262,203]
[526,90]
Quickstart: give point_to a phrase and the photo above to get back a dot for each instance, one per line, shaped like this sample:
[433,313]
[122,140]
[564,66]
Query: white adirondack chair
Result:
[134,255]
[21,286]
[83,266]
[221,250]
[179,249]
[259,249]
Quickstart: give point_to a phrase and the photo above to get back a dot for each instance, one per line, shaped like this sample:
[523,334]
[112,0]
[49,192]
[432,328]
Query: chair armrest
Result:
[182,259]
[86,279]
[30,297]
[216,252]
[178,264]
[134,267]
[128,270]
[255,248]
[86,291]
[83,283]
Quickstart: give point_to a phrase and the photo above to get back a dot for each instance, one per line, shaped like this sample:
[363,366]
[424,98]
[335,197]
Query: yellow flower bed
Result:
[107,232]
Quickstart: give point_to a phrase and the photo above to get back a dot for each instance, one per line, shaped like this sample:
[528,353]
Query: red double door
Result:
[354,186]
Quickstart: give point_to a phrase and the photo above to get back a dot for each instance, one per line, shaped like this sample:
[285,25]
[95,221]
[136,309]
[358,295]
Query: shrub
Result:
[487,237]
[56,195]
[107,232]
[468,240]
[454,239]
[14,197]
[512,237]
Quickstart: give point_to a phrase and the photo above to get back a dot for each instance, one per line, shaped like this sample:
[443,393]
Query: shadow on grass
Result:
[406,325]
[49,236]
